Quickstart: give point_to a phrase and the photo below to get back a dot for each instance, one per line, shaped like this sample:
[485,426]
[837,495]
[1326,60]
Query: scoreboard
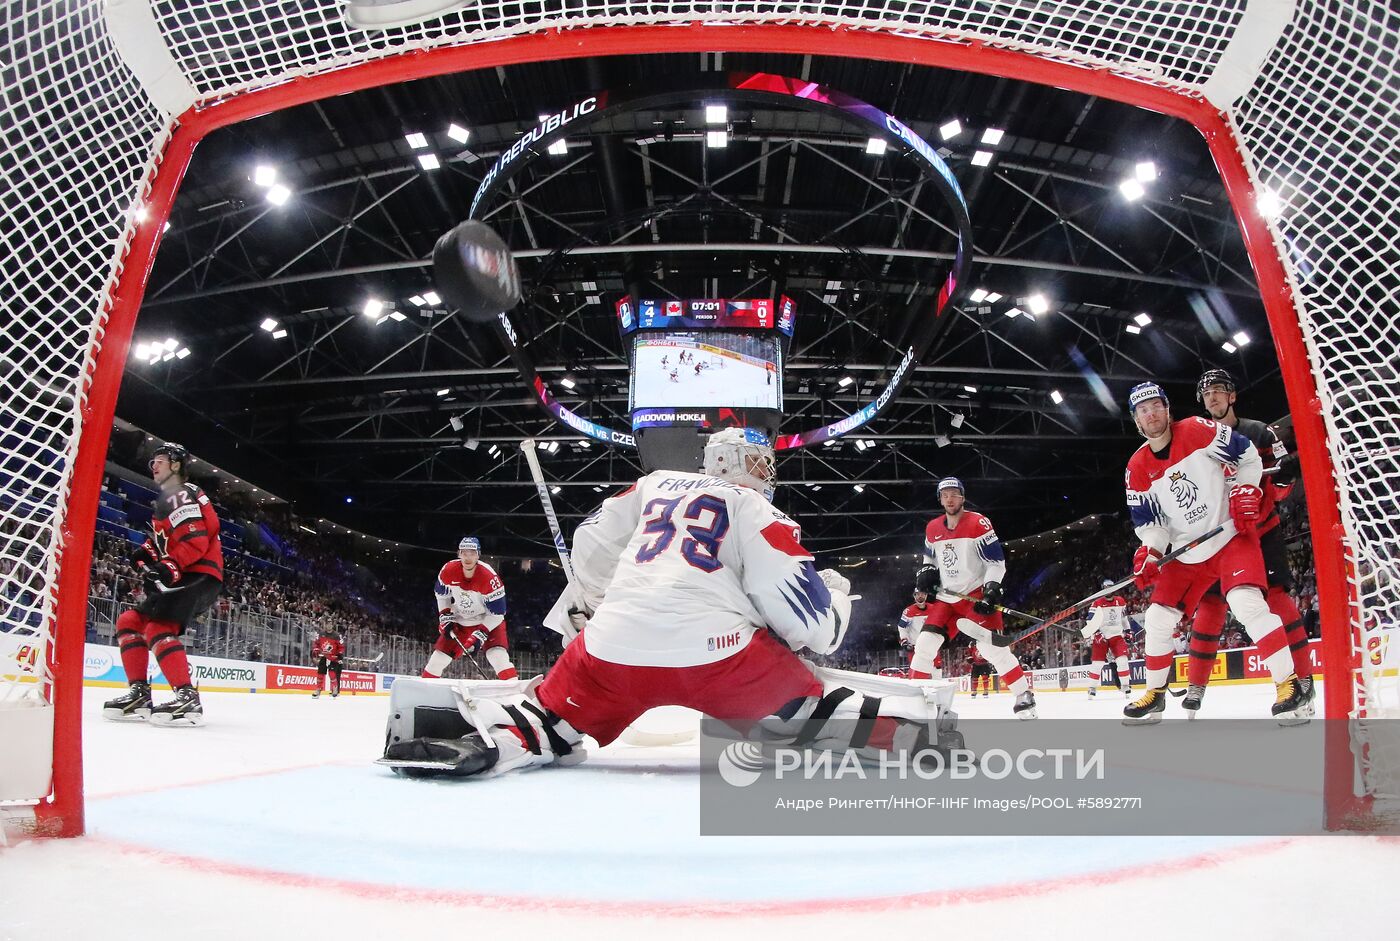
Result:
[706,314]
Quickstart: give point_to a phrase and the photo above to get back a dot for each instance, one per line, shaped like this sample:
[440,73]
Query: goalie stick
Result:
[1006,640]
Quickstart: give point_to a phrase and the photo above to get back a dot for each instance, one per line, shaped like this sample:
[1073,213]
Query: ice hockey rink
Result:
[272,821]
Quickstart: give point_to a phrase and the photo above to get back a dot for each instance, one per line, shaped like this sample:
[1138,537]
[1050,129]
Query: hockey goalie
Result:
[691,590]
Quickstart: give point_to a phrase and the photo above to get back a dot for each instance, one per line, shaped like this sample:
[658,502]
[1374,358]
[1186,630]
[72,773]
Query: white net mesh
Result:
[1318,125]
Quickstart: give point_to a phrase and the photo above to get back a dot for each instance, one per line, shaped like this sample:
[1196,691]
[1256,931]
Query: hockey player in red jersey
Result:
[911,619]
[693,590]
[1216,391]
[963,551]
[471,602]
[328,650]
[181,567]
[981,673]
[1190,477]
[1108,619]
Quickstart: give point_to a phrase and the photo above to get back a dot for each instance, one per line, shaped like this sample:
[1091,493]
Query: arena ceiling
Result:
[406,424]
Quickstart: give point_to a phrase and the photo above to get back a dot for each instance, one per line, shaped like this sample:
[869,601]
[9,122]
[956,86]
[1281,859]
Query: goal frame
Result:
[62,813]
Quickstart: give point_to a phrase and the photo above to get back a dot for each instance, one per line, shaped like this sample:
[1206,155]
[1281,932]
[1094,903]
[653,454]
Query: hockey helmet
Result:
[1145,392]
[926,579]
[952,483]
[742,456]
[1213,377]
[469,542]
[1107,582]
[175,454]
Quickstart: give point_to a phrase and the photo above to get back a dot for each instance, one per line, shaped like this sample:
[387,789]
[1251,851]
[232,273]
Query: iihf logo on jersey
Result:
[1183,488]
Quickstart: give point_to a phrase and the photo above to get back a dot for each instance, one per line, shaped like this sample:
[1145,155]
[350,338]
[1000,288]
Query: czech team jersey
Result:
[480,599]
[968,556]
[1184,493]
[332,648]
[185,530]
[682,569]
[1108,616]
[912,621]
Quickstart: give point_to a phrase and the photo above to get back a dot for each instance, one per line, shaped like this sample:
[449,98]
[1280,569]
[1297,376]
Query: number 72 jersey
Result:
[681,569]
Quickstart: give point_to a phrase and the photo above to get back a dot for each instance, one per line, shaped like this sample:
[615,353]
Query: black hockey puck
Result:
[475,271]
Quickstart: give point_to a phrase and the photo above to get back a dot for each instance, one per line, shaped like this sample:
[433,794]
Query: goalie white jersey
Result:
[1184,493]
[681,569]
[968,556]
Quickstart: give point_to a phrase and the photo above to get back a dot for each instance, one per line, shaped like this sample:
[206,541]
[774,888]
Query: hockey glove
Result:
[1244,506]
[475,640]
[578,620]
[447,624]
[143,557]
[835,581]
[991,597]
[1145,568]
[160,576]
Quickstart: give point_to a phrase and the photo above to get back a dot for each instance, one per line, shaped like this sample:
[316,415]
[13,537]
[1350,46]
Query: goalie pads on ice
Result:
[465,728]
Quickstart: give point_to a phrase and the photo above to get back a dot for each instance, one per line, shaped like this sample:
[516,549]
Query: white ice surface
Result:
[271,822]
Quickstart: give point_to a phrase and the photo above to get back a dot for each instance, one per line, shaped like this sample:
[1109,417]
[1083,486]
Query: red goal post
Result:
[105,103]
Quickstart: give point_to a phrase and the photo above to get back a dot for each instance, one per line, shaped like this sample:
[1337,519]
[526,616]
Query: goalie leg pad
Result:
[437,757]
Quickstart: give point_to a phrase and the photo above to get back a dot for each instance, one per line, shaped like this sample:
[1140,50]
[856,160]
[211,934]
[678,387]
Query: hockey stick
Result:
[468,654]
[999,607]
[367,661]
[1006,640]
[528,447]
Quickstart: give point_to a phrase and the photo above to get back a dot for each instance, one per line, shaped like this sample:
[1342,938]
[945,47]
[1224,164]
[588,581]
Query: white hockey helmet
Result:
[742,456]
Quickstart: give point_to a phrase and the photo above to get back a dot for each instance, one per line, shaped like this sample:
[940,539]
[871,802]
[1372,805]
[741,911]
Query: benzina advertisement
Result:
[303,678]
[102,667]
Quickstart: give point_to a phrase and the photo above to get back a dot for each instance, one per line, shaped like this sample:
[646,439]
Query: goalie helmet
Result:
[1213,377]
[926,579]
[742,456]
[175,454]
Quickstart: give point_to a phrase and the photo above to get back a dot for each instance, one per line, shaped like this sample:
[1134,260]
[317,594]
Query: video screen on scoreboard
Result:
[706,370]
[706,314]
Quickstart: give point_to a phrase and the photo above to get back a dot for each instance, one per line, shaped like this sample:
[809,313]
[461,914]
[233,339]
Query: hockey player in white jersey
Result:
[676,580]
[1108,619]
[1188,478]
[968,558]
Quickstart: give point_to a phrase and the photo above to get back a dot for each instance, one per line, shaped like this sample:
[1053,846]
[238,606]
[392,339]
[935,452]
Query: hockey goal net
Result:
[104,102]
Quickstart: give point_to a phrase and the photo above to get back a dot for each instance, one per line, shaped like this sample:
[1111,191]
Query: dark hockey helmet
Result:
[1213,377]
[175,454]
[926,579]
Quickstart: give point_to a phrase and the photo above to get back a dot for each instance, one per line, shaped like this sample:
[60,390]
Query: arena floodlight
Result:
[876,146]
[458,133]
[977,296]
[278,194]
[171,344]
[559,148]
[442,392]
[859,488]
[1145,171]
[1269,204]
[183,352]
[1131,189]
[1133,328]
[268,324]
[264,175]
[373,306]
[719,138]
[1056,397]
[1142,320]
[992,136]
[167,357]
[941,441]
[1228,347]
[958,420]
[429,161]
[432,298]
[950,129]
[716,114]
[418,300]
[142,351]
[456,423]
[993,298]
[556,490]
[588,285]
[397,317]
[278,334]
[567,383]
[1037,304]
[385,14]
[1241,339]
[972,389]
[861,445]
[845,381]
[1012,312]
[416,139]
[981,158]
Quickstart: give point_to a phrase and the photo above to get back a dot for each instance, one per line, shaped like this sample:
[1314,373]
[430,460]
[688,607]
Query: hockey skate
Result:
[184,710]
[1192,702]
[1127,689]
[1148,710]
[136,704]
[1309,707]
[317,694]
[1025,706]
[1289,701]
[1093,692]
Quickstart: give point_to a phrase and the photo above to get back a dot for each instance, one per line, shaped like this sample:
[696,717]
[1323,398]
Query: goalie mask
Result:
[744,457]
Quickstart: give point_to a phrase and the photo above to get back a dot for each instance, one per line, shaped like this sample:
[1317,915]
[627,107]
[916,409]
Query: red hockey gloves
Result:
[1145,569]
[445,623]
[991,597]
[1244,506]
[144,556]
[475,640]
